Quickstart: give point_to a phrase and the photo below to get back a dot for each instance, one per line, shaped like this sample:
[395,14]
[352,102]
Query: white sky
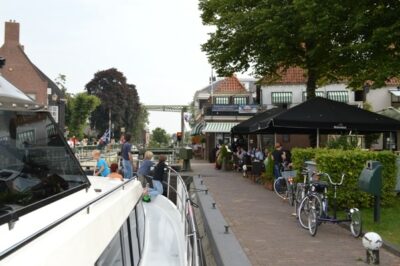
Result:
[155,43]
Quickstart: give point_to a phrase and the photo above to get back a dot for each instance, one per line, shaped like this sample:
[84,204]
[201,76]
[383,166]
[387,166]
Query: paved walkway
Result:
[267,231]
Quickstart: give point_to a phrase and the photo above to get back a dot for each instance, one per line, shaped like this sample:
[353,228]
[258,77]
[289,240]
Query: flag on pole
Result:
[106,136]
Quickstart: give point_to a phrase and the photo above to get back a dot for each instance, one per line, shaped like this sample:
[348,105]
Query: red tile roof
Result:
[297,75]
[293,75]
[230,85]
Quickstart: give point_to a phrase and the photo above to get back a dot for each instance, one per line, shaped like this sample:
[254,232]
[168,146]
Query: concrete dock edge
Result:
[225,246]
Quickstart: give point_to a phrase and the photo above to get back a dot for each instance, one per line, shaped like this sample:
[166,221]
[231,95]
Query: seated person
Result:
[114,172]
[158,178]
[145,167]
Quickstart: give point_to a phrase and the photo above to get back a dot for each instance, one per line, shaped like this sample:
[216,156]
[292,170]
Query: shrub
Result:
[351,162]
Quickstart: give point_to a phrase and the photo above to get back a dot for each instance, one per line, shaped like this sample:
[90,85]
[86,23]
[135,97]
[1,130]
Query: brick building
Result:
[26,76]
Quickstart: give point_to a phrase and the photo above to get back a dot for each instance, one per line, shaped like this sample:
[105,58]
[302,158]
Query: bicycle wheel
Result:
[355,224]
[313,221]
[299,195]
[305,207]
[280,188]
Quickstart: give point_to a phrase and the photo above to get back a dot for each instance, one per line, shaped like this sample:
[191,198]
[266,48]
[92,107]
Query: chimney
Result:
[11,33]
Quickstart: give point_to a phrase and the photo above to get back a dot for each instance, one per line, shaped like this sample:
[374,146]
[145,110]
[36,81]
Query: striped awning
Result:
[197,129]
[395,92]
[219,127]
[281,97]
[339,96]
[317,93]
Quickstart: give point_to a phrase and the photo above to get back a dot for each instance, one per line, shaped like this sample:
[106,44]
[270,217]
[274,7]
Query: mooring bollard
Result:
[226,229]
[213,205]
[372,242]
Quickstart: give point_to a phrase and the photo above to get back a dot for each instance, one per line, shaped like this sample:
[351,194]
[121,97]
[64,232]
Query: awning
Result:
[219,127]
[339,96]
[281,97]
[197,129]
[395,92]
[317,93]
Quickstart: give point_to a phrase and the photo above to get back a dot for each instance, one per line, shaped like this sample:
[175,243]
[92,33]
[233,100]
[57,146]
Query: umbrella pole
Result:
[274,138]
[317,137]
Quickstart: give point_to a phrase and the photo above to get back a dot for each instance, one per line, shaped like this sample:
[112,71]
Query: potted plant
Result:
[268,175]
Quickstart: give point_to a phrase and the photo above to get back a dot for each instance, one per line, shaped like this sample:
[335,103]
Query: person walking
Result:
[127,161]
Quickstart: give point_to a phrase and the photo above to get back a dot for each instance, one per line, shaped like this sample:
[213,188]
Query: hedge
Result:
[351,162]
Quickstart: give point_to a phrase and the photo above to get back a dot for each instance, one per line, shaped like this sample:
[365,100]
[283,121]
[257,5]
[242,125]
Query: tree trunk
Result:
[311,86]
[311,83]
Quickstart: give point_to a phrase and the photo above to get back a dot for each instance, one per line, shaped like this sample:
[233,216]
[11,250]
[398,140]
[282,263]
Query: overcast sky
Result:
[155,43]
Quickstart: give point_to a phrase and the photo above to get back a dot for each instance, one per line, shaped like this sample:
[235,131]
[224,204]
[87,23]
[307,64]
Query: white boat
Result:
[51,213]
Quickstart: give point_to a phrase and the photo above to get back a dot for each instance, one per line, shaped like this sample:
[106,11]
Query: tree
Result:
[159,138]
[80,107]
[331,40]
[118,98]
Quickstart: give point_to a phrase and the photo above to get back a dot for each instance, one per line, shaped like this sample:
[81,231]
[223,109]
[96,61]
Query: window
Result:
[240,100]
[140,224]
[35,162]
[317,93]
[281,97]
[339,96]
[112,255]
[133,229]
[221,100]
[53,109]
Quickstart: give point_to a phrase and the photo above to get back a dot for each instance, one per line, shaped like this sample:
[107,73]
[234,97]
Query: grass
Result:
[389,226]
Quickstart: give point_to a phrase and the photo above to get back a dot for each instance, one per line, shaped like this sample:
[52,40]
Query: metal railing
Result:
[185,208]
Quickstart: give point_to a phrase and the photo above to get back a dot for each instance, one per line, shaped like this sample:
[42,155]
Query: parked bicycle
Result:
[319,212]
[284,186]
[312,194]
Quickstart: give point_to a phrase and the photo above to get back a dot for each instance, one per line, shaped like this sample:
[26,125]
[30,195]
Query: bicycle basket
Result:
[289,174]
[319,186]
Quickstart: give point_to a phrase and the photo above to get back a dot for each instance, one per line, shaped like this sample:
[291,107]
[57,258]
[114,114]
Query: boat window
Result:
[140,224]
[112,255]
[36,166]
[134,237]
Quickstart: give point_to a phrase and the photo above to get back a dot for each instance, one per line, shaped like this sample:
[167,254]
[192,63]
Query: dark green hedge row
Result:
[351,162]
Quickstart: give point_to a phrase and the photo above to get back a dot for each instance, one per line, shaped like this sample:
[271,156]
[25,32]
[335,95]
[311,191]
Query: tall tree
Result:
[331,40]
[118,98]
[159,138]
[80,107]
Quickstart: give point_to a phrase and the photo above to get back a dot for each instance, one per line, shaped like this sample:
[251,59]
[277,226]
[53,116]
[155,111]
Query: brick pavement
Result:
[267,231]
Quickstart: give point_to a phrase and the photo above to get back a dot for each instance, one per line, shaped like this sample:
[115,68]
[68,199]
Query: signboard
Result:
[248,109]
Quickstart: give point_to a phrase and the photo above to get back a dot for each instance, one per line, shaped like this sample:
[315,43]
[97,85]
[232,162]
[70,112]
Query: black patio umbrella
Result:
[329,117]
[252,124]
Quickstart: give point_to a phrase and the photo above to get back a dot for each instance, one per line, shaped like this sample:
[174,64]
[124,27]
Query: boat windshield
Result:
[36,165]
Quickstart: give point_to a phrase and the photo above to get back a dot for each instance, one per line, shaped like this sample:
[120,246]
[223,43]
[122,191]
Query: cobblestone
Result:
[267,231]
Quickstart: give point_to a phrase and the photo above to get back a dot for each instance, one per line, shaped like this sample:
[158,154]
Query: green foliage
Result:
[121,98]
[80,107]
[343,142]
[331,40]
[159,138]
[351,162]
[268,174]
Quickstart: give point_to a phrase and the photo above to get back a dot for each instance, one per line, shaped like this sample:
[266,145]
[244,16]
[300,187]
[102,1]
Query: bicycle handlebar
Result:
[330,180]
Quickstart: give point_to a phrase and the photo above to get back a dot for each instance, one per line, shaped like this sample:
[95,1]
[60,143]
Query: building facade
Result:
[26,76]
[220,106]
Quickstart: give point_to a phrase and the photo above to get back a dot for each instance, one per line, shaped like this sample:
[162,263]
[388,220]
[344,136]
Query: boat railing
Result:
[62,219]
[185,208]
